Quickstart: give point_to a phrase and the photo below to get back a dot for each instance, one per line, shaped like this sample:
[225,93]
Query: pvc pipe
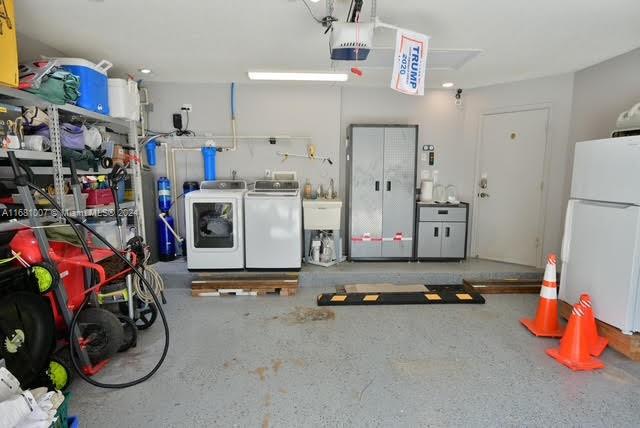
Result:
[173,232]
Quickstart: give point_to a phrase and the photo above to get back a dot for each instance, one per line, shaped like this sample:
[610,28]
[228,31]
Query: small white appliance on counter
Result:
[214,225]
[273,225]
[601,243]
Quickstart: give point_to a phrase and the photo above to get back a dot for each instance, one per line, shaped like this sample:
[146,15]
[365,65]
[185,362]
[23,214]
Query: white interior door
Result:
[510,186]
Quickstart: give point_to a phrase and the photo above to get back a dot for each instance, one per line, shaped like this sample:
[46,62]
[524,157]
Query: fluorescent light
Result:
[447,85]
[319,77]
[315,1]
[145,70]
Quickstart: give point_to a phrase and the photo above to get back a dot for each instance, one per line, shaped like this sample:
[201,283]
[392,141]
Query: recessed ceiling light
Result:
[145,70]
[447,85]
[317,77]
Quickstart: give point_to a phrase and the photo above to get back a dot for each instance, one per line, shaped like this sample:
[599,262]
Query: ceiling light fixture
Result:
[314,77]
[145,70]
[447,85]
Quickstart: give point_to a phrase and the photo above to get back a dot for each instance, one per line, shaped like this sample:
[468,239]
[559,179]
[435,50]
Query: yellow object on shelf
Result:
[8,45]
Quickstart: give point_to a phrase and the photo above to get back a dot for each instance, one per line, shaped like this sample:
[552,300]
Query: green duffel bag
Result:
[58,87]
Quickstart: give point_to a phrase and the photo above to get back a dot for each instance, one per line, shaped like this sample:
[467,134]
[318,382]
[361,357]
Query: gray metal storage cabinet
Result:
[382,173]
[442,231]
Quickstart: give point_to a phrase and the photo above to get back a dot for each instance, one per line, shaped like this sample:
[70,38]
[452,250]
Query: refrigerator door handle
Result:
[606,204]
[388,186]
[377,186]
[566,238]
[447,232]
[435,231]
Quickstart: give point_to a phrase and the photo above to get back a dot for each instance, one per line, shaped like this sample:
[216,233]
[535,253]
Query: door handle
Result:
[388,186]
[483,195]
[377,186]
[447,231]
[435,232]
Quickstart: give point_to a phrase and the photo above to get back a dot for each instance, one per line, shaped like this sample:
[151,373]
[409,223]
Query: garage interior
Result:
[319,213]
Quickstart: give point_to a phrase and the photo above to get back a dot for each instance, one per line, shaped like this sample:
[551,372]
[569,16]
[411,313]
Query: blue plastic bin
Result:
[94,83]
[73,422]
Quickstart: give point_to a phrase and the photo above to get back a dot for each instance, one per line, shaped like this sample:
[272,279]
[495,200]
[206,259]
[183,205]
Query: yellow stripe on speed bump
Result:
[370,298]
[338,298]
[433,296]
[464,296]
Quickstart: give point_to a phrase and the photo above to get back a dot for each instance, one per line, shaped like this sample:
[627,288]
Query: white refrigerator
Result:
[601,242]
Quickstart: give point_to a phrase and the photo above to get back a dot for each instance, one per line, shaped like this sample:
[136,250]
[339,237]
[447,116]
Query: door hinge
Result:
[537,242]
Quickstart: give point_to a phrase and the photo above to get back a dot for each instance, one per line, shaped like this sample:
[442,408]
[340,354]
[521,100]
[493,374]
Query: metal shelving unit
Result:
[57,170]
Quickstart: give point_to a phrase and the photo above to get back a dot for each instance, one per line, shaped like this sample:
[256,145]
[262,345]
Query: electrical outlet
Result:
[187,107]
[267,173]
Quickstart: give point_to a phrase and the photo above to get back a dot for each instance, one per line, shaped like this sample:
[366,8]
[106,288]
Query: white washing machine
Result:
[273,225]
[215,225]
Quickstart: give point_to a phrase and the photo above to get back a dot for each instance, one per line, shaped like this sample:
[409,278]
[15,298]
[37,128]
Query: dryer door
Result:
[215,224]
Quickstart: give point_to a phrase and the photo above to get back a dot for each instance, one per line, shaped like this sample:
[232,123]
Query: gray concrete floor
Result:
[278,362]
[178,276]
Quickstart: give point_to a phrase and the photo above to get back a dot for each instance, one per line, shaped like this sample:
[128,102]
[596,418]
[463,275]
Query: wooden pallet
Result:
[504,286]
[246,284]
[627,345]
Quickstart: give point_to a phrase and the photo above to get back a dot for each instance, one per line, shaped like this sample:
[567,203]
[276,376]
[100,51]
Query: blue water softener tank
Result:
[166,240]
[209,155]
[164,194]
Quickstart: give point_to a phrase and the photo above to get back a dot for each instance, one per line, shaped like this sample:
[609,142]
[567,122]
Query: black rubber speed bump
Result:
[436,294]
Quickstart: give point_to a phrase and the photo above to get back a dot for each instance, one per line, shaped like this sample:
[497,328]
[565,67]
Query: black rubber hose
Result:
[74,321]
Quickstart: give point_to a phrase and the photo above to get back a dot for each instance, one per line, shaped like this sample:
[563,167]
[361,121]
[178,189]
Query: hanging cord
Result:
[325,21]
[74,222]
[155,280]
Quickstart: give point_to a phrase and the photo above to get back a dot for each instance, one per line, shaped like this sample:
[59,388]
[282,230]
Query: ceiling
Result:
[220,40]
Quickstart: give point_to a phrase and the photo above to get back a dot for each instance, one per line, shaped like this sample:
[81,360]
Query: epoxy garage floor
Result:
[283,362]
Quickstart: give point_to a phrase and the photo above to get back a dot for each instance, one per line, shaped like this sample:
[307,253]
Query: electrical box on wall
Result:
[429,154]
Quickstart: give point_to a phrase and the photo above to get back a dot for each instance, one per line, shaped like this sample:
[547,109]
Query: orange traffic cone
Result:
[574,345]
[546,323]
[596,343]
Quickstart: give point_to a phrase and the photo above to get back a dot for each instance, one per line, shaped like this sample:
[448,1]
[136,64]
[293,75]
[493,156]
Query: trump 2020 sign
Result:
[410,63]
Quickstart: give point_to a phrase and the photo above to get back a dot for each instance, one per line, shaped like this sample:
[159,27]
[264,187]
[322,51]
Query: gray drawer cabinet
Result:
[442,231]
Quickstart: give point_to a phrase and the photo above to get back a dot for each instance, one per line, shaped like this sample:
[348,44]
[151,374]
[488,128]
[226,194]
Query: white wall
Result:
[325,112]
[601,93]
[296,110]
[554,91]
[311,111]
[30,48]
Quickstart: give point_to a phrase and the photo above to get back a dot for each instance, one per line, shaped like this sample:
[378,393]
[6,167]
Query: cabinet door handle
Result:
[435,231]
[377,186]
[388,186]
[447,231]
[443,211]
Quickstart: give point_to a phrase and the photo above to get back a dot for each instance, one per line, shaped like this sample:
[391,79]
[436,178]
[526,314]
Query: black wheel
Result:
[102,332]
[147,314]
[27,335]
[130,336]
